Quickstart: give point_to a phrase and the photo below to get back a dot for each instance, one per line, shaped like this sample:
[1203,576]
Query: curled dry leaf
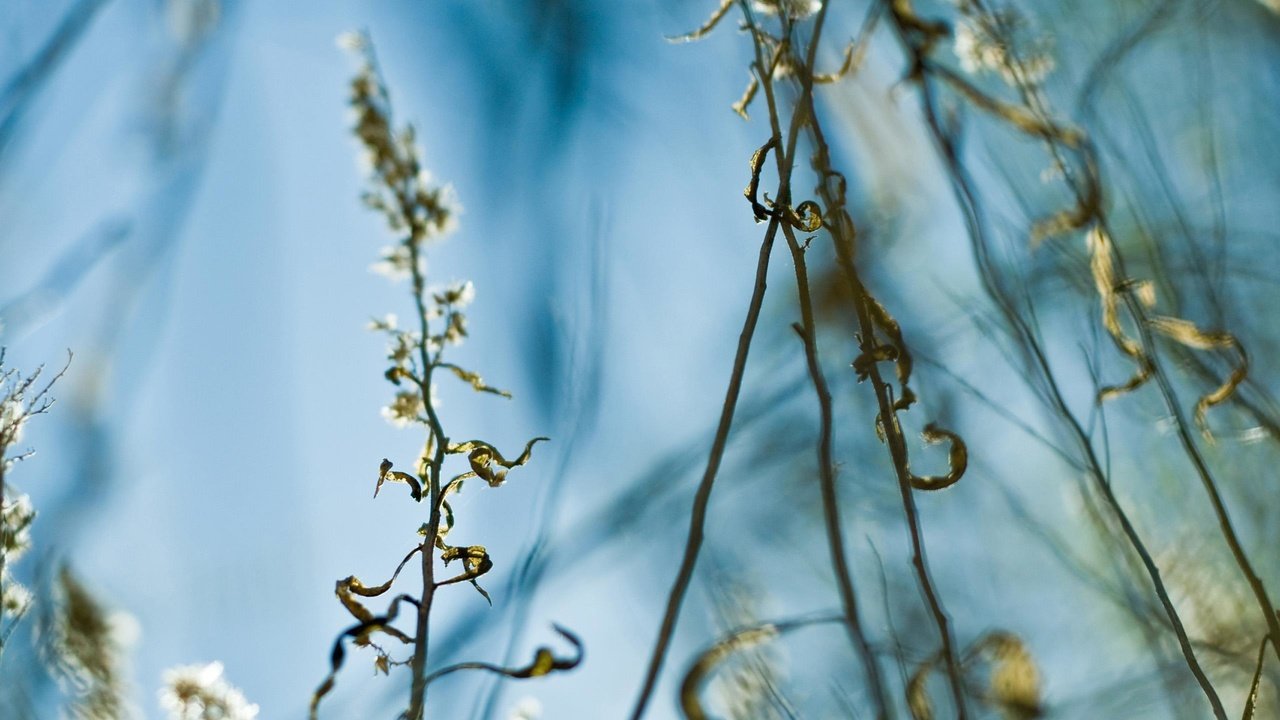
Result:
[1013,684]
[360,634]
[475,562]
[544,662]
[690,702]
[1102,265]
[1087,208]
[386,474]
[1186,333]
[806,217]
[474,380]
[752,190]
[484,456]
[957,460]
[1024,120]
[741,639]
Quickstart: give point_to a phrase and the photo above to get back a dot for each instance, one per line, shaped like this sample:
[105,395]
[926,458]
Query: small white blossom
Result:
[13,415]
[14,596]
[979,50]
[366,160]
[388,322]
[794,9]
[199,692]
[397,263]
[407,407]
[125,628]
[351,41]
[459,294]
[442,210]
[15,519]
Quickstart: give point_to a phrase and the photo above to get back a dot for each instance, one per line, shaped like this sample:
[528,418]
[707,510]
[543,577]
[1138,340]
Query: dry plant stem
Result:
[702,498]
[38,404]
[809,335]
[418,688]
[966,198]
[827,482]
[1211,489]
[893,431]
[1141,318]
[898,453]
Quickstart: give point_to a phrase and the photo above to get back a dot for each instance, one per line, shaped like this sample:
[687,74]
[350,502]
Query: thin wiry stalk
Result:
[892,430]
[1141,317]
[1229,533]
[906,29]
[26,401]
[417,212]
[418,668]
[827,482]
[702,497]
[809,335]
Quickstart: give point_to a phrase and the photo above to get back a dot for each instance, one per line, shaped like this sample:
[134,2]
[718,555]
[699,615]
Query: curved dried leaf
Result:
[544,662]
[474,380]
[957,460]
[386,474]
[352,584]
[497,456]
[359,633]
[484,456]
[807,216]
[1086,209]
[475,562]
[1186,333]
[893,331]
[344,592]
[1014,682]
[740,639]
[880,353]
[1102,266]
[690,703]
[1022,119]
[752,190]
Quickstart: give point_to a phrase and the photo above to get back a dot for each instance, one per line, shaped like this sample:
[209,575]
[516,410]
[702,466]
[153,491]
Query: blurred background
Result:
[179,207]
